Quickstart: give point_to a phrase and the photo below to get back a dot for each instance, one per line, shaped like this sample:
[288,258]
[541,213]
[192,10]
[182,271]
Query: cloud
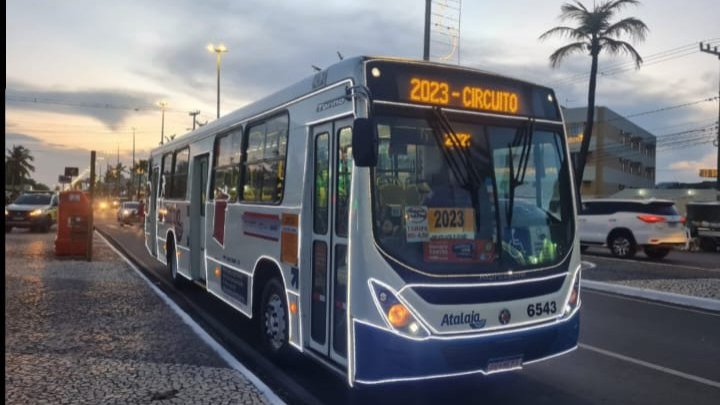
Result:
[273,47]
[111,107]
[51,159]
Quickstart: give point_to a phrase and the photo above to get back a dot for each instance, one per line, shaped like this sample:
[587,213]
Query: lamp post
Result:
[162,104]
[219,50]
[132,170]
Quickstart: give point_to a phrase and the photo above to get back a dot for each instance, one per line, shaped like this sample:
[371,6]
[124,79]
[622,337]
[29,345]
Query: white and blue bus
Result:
[392,219]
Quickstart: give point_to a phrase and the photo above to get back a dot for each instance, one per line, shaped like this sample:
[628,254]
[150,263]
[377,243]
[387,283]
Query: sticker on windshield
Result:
[459,251]
[416,224]
[451,223]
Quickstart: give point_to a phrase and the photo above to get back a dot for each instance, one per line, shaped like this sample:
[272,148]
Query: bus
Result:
[392,219]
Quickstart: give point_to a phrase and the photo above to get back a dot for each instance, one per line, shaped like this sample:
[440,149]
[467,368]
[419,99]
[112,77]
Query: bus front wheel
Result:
[274,318]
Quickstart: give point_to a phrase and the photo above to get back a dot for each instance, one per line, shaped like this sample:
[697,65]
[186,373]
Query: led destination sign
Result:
[471,97]
[458,88]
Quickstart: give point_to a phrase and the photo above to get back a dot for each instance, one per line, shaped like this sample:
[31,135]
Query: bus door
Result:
[198,194]
[332,160]
[151,214]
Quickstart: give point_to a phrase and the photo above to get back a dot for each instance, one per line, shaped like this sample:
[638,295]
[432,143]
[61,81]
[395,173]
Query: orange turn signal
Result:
[293,308]
[398,316]
[217,271]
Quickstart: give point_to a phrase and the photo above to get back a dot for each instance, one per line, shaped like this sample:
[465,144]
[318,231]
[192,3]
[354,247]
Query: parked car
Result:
[35,210]
[128,213]
[624,226]
[703,222]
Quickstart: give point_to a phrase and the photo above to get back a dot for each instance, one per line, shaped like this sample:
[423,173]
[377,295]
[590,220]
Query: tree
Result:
[594,33]
[17,166]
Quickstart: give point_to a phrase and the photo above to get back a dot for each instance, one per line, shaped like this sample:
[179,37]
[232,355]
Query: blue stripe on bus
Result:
[382,355]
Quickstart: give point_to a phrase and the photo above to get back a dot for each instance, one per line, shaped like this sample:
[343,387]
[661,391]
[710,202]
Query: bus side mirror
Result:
[364,143]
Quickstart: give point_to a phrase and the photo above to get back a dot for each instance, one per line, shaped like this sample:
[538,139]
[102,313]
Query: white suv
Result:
[626,225]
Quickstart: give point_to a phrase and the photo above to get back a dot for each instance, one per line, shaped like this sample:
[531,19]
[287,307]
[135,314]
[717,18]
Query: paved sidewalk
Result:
[94,332]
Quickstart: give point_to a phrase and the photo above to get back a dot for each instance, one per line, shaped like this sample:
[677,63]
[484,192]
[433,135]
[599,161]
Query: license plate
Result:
[506,364]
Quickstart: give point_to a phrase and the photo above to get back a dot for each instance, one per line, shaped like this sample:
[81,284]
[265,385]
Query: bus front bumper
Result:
[382,356]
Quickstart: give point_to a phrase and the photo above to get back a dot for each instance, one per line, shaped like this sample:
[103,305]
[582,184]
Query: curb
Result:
[707,304]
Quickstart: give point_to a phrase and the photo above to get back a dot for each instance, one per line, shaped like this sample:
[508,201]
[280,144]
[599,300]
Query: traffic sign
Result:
[64,179]
[71,171]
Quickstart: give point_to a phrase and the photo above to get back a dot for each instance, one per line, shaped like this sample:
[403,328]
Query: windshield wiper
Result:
[523,138]
[457,157]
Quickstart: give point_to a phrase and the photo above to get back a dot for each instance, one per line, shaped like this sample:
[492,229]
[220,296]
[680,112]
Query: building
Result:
[621,155]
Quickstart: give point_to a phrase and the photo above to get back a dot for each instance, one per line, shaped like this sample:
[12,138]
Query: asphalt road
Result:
[631,352]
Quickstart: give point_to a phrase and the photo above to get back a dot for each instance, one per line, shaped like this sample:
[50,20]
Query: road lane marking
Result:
[648,301]
[224,354]
[713,270]
[651,365]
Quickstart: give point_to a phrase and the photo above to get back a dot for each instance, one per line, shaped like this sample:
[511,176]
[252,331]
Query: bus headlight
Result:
[574,297]
[397,314]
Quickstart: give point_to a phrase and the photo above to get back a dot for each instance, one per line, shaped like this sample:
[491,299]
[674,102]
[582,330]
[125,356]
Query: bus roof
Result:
[348,68]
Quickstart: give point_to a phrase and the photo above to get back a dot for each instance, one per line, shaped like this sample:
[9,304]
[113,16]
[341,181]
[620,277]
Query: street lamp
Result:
[162,104]
[219,49]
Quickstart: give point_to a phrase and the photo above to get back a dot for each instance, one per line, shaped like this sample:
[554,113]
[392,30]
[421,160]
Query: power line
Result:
[659,57]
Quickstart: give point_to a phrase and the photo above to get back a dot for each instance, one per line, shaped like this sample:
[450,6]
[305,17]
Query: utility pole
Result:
[194,114]
[426,47]
[715,52]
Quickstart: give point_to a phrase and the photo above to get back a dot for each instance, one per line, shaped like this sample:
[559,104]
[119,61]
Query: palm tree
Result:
[17,165]
[594,33]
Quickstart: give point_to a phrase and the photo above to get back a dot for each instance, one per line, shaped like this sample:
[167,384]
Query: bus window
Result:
[264,167]
[344,173]
[226,166]
[320,198]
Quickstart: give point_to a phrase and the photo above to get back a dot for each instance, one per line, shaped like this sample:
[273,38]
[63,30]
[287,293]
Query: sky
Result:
[87,75]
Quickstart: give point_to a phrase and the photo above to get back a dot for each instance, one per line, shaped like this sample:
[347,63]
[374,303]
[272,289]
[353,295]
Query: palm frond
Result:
[636,29]
[565,51]
[570,11]
[569,32]
[615,46]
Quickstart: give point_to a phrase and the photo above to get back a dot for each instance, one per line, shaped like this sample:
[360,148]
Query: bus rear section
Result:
[463,255]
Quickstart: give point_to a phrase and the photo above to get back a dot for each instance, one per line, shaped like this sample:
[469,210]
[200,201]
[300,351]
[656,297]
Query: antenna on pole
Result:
[194,115]
[340,55]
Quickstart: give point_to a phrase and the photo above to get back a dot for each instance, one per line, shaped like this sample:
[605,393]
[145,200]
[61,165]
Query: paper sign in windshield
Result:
[416,224]
[459,251]
[451,223]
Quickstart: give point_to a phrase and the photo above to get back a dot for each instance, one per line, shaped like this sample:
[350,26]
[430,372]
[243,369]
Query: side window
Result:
[320,198]
[180,174]
[165,184]
[343,178]
[226,166]
[264,166]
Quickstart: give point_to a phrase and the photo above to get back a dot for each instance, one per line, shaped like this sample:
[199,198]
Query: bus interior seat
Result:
[392,194]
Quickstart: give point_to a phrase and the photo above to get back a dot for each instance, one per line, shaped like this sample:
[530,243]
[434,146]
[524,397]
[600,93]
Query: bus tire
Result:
[273,318]
[178,280]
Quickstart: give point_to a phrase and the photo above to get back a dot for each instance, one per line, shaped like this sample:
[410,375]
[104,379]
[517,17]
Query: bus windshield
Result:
[468,198]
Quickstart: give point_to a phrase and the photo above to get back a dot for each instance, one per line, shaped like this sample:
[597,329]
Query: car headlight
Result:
[37,212]
[395,312]
[6,211]
[126,212]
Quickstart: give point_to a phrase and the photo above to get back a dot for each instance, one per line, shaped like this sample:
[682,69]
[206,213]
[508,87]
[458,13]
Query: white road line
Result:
[677,266]
[229,359]
[652,366]
[646,301]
